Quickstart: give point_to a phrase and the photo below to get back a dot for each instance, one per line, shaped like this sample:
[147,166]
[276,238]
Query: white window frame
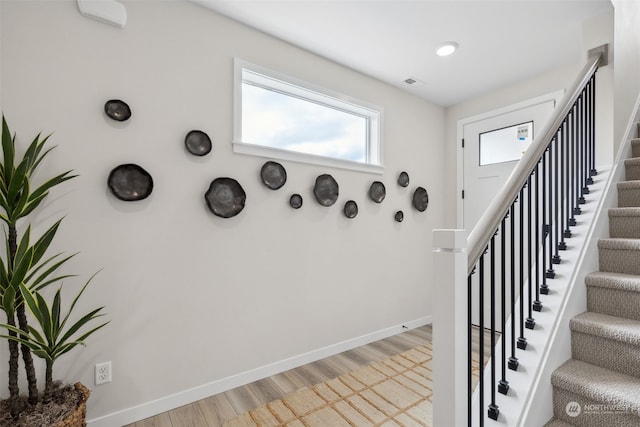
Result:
[304,90]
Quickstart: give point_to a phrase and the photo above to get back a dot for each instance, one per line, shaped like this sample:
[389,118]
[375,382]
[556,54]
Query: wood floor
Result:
[215,410]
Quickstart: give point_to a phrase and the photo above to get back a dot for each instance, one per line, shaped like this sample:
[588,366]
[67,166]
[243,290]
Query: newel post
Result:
[450,329]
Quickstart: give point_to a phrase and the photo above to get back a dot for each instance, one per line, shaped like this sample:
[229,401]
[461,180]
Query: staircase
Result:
[600,384]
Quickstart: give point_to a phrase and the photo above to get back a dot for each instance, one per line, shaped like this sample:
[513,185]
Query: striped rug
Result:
[395,392]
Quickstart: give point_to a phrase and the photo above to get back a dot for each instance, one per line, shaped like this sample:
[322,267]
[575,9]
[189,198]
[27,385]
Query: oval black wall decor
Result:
[377,191]
[420,199]
[399,216]
[403,179]
[350,209]
[225,197]
[326,190]
[295,201]
[117,110]
[130,182]
[273,175]
[197,143]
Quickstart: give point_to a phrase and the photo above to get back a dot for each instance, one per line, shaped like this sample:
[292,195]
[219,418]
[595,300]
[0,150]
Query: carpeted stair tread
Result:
[619,244]
[607,341]
[628,193]
[598,384]
[624,212]
[615,294]
[629,185]
[619,255]
[632,168]
[632,161]
[615,281]
[609,327]
[635,147]
[557,423]
[624,222]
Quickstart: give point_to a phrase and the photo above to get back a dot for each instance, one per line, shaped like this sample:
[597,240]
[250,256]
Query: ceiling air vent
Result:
[413,81]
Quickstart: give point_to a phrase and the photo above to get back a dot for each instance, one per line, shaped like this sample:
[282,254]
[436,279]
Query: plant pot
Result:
[78,417]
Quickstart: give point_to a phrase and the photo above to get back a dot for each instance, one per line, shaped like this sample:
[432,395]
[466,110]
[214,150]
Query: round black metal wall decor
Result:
[377,191]
[399,216]
[225,197]
[273,175]
[117,110]
[420,199]
[198,143]
[350,209]
[403,179]
[295,201]
[326,190]
[130,182]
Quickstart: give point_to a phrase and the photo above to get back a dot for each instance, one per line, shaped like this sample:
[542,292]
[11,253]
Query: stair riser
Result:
[632,172]
[629,198]
[610,354]
[620,261]
[624,227]
[635,148]
[589,416]
[613,302]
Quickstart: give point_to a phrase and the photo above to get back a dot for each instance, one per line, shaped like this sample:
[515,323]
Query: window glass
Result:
[292,117]
[506,144]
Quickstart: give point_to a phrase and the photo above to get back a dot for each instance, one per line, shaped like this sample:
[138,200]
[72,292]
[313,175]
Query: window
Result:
[506,144]
[278,116]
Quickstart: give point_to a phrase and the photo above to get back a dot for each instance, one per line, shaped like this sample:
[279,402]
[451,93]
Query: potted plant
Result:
[25,271]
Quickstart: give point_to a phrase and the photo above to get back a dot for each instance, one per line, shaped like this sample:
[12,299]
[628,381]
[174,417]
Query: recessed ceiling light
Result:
[447,48]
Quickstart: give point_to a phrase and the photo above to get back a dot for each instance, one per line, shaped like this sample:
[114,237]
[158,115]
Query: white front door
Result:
[492,148]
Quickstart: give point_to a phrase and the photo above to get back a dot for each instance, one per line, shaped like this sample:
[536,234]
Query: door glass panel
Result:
[505,144]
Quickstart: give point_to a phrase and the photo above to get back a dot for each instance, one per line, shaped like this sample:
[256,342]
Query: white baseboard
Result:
[167,403]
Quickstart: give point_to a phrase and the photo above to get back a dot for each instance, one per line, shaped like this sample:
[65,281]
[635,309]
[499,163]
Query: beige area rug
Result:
[395,392]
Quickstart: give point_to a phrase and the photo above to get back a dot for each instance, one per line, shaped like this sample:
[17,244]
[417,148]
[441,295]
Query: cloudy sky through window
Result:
[277,120]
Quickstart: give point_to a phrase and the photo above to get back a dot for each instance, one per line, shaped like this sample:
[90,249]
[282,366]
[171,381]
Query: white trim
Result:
[270,152]
[287,84]
[552,96]
[149,409]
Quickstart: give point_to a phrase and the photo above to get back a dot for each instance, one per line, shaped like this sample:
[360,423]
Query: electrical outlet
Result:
[103,373]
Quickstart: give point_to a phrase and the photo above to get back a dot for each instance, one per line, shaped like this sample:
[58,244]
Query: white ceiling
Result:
[501,42]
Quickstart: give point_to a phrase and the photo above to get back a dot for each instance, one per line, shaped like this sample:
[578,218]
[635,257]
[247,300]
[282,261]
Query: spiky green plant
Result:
[24,263]
[53,338]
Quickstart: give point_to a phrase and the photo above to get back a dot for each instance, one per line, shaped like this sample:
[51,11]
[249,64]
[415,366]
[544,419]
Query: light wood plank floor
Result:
[214,410]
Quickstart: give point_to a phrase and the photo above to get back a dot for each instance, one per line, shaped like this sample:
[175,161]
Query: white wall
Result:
[193,298]
[627,60]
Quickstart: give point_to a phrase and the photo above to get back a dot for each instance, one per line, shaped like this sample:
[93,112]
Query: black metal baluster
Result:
[592,110]
[522,341]
[544,288]
[481,338]
[564,200]
[550,272]
[530,323]
[503,385]
[581,146]
[586,143]
[513,360]
[572,166]
[556,198]
[537,304]
[576,156]
[493,410]
[469,348]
